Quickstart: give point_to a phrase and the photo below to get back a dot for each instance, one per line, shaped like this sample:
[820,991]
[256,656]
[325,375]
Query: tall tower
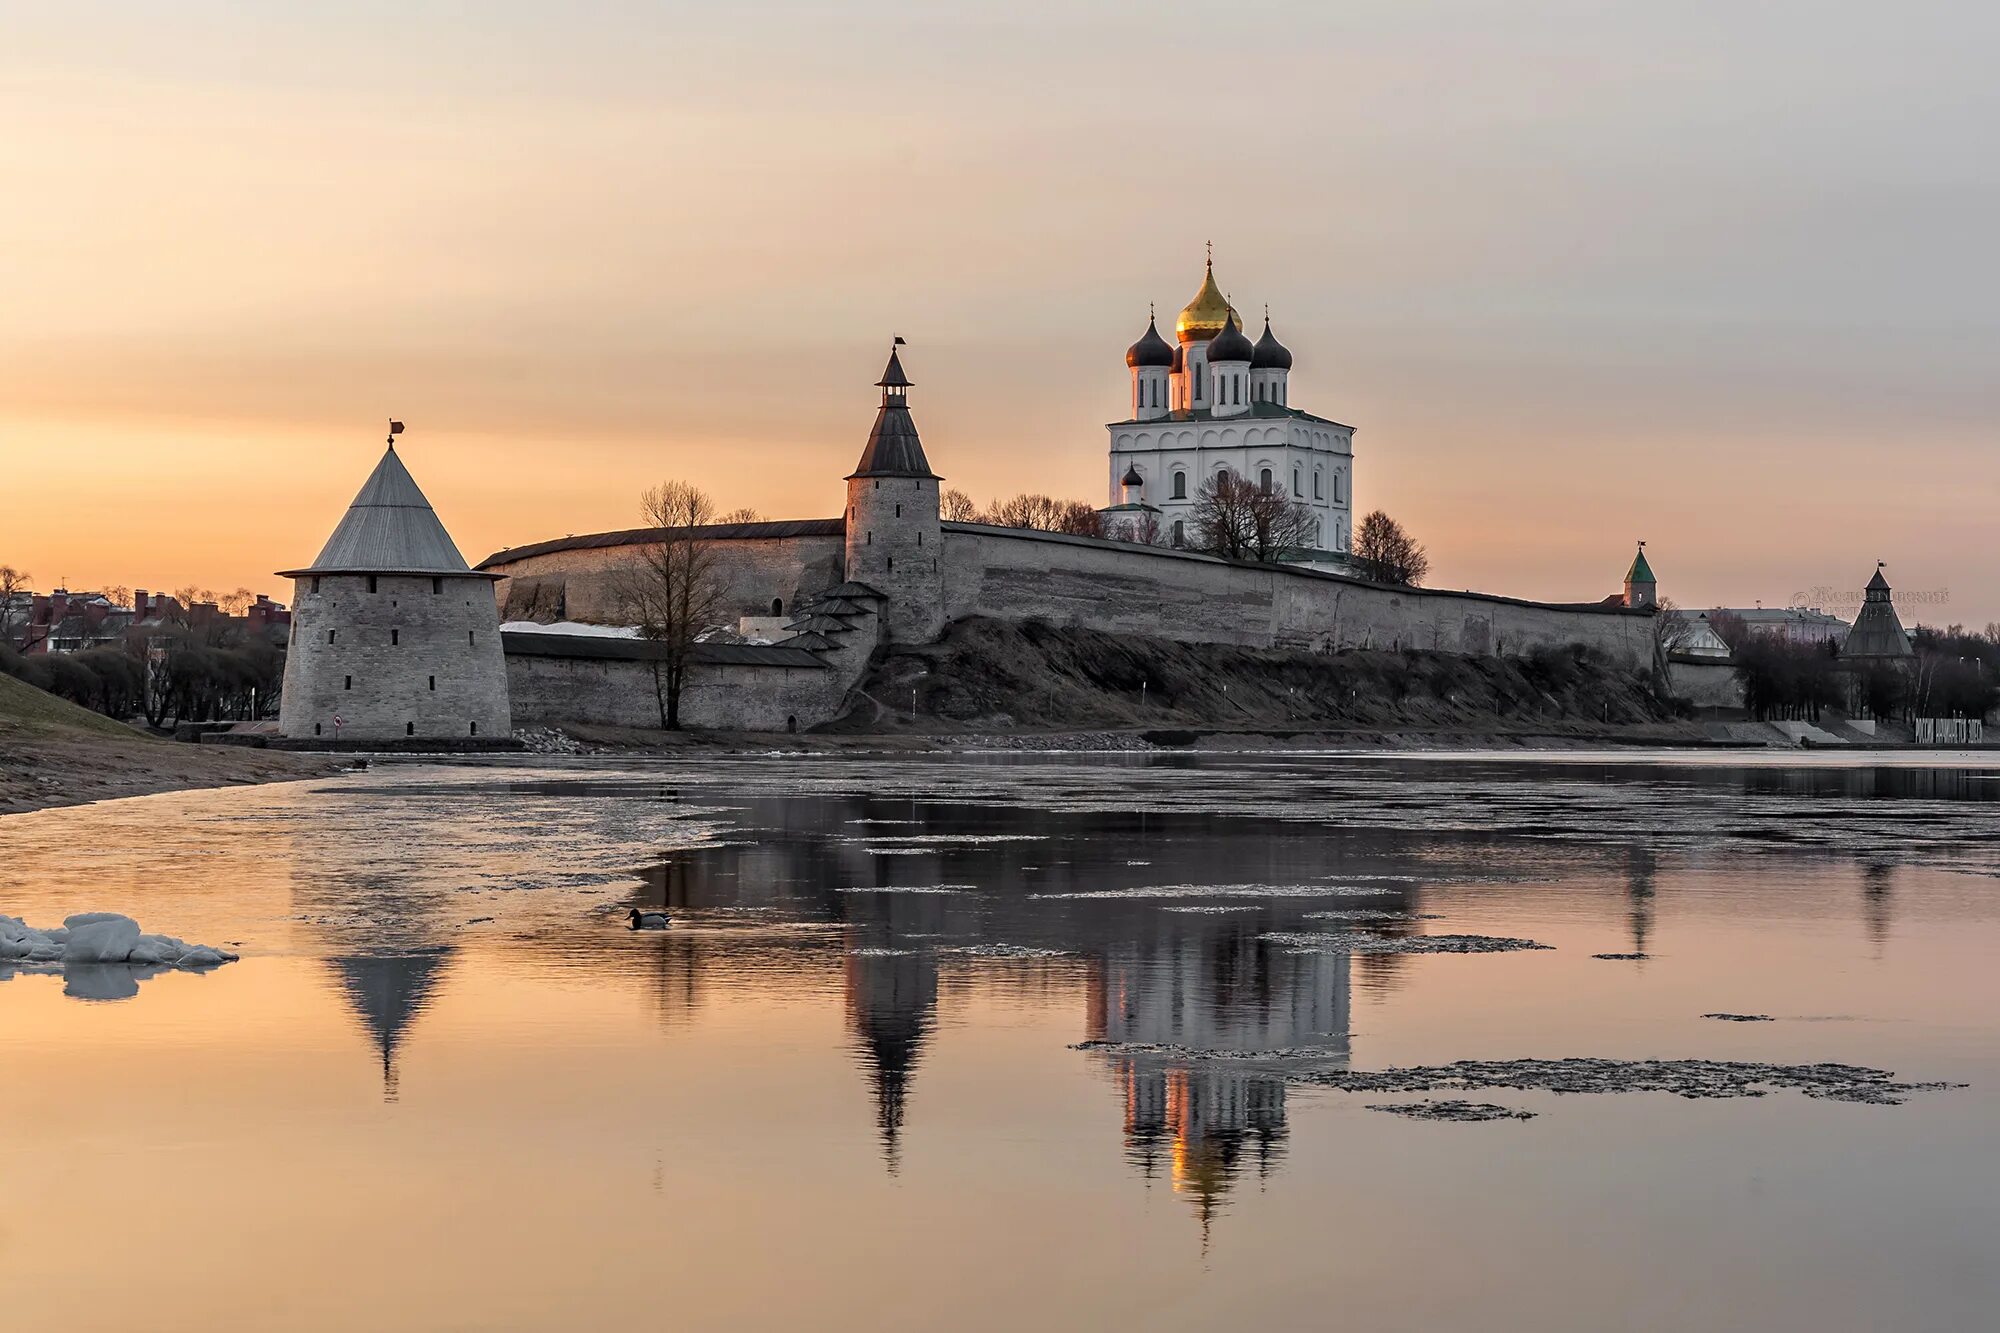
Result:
[895,543]
[1641,589]
[394,637]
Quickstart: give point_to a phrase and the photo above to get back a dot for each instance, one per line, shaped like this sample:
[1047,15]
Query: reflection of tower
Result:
[387,991]
[1215,989]
[892,988]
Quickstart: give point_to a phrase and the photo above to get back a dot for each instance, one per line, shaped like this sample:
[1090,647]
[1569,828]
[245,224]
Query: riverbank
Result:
[54,753]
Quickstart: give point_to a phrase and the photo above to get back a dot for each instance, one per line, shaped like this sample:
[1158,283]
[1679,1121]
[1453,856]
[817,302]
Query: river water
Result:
[448,1088]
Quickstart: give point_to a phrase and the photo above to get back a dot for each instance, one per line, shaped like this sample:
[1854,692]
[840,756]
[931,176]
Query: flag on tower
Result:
[395,428]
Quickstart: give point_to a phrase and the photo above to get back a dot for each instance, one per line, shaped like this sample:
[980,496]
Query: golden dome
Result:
[1206,315]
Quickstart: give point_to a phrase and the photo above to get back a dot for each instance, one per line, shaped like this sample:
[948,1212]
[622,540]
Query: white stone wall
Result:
[394,656]
[1314,451]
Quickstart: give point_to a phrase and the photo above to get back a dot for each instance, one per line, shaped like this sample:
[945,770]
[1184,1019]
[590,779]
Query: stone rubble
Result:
[1451,1110]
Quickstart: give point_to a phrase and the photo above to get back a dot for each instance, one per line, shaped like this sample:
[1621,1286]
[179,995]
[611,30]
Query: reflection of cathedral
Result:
[1221,990]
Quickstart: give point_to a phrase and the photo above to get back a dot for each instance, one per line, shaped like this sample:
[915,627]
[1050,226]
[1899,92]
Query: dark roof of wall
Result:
[1170,553]
[531,644]
[796,527]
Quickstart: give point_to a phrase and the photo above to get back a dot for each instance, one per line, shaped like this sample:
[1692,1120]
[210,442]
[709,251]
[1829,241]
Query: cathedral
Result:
[1217,401]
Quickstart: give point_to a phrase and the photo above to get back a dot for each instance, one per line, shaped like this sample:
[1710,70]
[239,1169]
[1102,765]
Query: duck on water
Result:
[649,920]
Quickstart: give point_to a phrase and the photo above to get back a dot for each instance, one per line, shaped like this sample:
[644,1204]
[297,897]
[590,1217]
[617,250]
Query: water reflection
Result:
[910,884]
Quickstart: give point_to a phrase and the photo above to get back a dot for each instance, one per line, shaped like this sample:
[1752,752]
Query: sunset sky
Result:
[1719,276]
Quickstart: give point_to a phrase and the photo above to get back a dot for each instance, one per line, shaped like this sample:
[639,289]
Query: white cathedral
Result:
[1218,401]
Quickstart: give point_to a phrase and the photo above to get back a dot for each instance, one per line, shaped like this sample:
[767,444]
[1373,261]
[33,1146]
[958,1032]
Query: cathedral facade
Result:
[1216,401]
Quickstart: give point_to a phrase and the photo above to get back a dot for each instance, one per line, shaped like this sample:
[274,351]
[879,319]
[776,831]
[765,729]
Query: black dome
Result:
[1270,354]
[1150,350]
[1230,344]
[1132,477]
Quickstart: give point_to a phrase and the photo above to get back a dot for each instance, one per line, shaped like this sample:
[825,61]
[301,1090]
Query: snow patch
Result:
[101,955]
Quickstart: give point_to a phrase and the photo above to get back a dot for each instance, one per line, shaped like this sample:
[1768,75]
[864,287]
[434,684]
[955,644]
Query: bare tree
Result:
[1078,518]
[118,595]
[676,589]
[1042,512]
[1671,627]
[236,603]
[955,506]
[1387,553]
[13,585]
[1245,521]
[1142,527]
[741,514]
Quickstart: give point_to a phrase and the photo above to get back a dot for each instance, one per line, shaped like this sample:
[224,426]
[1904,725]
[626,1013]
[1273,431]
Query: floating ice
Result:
[1349,942]
[101,955]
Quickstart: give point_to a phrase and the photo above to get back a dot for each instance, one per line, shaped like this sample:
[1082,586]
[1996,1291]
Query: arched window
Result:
[1295,483]
[1264,481]
[777,606]
[475,728]
[1316,485]
[409,728]
[1180,533]
[1180,486]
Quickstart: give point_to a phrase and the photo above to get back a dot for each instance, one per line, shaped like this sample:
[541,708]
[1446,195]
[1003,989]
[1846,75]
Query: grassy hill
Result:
[27,711]
[55,753]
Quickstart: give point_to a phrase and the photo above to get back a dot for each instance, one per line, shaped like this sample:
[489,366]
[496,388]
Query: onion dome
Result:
[1230,344]
[1132,477]
[1270,354]
[1150,350]
[1207,315]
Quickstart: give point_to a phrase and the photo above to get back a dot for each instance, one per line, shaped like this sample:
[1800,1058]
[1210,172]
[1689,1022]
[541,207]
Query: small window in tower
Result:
[437,586]
[349,683]
[1295,483]
[892,564]
[471,639]
[920,539]
[899,511]
[371,583]
[1180,486]
[315,728]
[1317,486]
[870,541]
[434,684]
[330,633]
[315,583]
[475,728]
[1180,533]
[395,637]
[878,483]
[777,606]
[1264,480]
[409,728]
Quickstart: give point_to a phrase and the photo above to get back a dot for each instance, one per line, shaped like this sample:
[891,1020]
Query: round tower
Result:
[895,543]
[394,637]
[1151,360]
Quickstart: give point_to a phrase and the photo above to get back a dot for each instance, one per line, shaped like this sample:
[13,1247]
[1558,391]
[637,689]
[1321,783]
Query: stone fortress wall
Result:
[1015,574]
[409,655]
[767,569]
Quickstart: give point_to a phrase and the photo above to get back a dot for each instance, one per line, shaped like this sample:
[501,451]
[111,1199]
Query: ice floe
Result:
[1451,1110]
[99,955]
[1350,942]
[102,937]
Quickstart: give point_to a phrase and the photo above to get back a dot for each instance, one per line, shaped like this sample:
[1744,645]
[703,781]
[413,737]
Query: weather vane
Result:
[395,429]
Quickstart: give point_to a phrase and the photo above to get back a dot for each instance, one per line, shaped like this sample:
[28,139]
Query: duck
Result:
[649,920]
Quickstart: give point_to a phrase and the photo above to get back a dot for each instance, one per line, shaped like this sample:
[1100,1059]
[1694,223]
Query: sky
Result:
[1718,276]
